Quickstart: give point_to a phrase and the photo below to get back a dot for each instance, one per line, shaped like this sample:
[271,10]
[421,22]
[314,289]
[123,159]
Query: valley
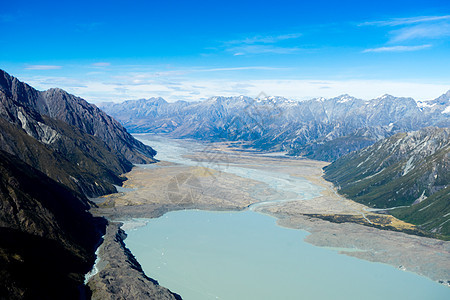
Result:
[232,150]
[242,167]
[291,190]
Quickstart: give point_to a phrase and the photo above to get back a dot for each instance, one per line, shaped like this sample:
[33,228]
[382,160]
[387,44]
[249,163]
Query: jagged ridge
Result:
[60,105]
[323,129]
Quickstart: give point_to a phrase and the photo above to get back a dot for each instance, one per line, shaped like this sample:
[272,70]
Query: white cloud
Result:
[398,48]
[412,29]
[262,49]
[42,67]
[421,31]
[101,64]
[269,39]
[406,21]
[268,44]
[237,69]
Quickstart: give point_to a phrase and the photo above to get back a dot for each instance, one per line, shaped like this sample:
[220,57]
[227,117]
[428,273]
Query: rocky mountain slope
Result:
[55,149]
[67,139]
[408,170]
[60,105]
[48,238]
[320,128]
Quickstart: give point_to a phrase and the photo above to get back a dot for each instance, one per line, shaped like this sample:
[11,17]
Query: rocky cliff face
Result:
[407,169]
[54,150]
[48,237]
[68,155]
[60,105]
[66,138]
[323,129]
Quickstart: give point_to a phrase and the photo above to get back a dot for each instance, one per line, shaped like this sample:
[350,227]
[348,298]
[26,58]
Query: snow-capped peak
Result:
[345,98]
[446,110]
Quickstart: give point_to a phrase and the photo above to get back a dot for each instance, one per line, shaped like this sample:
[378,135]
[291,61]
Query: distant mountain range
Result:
[323,129]
[408,170]
[55,149]
[393,169]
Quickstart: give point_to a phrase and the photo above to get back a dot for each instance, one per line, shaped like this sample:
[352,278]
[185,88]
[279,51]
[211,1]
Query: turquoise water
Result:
[245,255]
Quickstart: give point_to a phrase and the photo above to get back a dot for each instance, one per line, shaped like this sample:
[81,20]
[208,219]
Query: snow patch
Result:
[422,104]
[344,99]
[421,198]
[409,166]
[446,110]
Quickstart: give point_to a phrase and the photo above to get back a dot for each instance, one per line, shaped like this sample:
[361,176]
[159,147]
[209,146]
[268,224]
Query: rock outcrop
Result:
[120,276]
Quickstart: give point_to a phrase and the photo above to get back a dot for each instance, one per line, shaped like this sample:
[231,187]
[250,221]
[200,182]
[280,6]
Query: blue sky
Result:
[117,50]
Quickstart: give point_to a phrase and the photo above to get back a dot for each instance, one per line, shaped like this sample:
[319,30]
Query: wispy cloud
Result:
[421,31]
[398,48]
[406,21]
[413,30]
[237,69]
[269,39]
[268,44]
[101,64]
[42,67]
[262,49]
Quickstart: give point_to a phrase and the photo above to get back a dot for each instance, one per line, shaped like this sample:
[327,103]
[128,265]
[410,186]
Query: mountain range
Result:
[323,129]
[56,150]
[384,152]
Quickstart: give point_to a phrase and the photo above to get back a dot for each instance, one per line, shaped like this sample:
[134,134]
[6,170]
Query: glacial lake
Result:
[245,255]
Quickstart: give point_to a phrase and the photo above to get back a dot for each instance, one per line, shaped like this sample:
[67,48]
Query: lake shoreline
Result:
[119,274]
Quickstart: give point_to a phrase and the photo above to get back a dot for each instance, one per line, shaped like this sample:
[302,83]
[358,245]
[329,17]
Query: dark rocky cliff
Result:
[48,237]
[76,159]
[55,149]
